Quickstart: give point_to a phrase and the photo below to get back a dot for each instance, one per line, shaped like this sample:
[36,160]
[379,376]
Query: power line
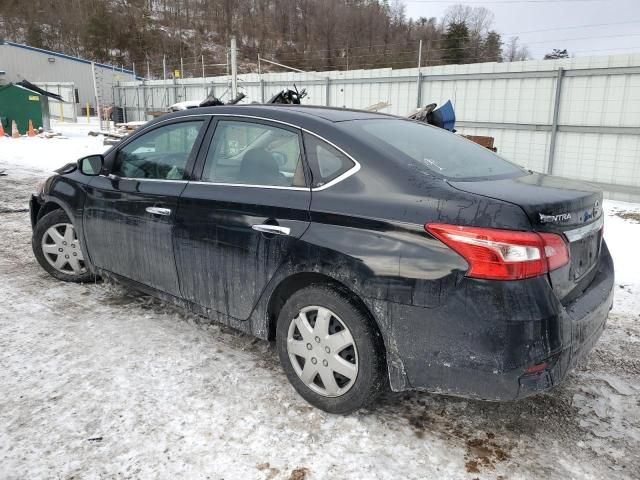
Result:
[303,55]
[293,57]
[608,49]
[384,59]
[410,63]
[583,38]
[352,48]
[503,2]
[628,22]
[311,55]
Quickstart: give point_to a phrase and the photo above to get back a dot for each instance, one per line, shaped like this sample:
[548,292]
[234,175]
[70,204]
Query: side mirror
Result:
[91,165]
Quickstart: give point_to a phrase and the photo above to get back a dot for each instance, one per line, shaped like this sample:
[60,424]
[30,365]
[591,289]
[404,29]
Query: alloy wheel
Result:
[61,248]
[322,351]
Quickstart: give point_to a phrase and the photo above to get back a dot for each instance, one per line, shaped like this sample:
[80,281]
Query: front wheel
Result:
[330,351]
[57,248]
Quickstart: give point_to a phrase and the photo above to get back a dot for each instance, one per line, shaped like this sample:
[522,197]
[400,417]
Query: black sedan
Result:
[376,251]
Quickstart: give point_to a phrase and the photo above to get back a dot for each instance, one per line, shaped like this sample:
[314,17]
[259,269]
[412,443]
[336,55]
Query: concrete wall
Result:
[579,118]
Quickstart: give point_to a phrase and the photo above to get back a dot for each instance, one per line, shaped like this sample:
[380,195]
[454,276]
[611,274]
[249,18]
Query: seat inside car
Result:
[259,167]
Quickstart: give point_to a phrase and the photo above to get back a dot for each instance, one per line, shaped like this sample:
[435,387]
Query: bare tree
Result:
[478,21]
[514,52]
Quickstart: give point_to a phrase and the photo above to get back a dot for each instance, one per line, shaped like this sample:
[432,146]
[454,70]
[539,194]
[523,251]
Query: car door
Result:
[237,224]
[129,213]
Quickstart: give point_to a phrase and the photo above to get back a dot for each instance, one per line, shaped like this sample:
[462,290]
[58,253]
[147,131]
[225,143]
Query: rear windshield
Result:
[432,149]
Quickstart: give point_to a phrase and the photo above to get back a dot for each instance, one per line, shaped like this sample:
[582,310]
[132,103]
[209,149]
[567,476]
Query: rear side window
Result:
[327,163]
[248,153]
[433,149]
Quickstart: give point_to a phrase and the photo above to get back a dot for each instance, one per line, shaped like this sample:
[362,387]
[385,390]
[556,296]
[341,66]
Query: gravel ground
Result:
[100,382]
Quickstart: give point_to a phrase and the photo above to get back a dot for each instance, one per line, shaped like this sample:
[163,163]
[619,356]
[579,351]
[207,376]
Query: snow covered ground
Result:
[100,382]
[46,154]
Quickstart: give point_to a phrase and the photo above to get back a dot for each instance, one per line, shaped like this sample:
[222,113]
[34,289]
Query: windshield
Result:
[433,149]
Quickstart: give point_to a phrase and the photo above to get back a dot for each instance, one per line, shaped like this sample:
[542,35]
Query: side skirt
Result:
[210,314]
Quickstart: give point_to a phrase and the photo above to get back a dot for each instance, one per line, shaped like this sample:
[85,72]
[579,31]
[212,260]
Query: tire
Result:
[62,249]
[360,350]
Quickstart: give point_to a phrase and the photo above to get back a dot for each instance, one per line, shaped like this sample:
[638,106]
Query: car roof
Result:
[332,114]
[286,112]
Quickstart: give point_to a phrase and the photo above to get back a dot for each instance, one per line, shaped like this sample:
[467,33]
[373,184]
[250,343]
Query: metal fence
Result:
[578,118]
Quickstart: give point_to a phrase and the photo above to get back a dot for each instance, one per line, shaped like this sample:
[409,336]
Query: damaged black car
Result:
[376,251]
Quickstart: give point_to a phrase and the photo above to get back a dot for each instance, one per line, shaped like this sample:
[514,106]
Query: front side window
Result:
[249,153]
[162,153]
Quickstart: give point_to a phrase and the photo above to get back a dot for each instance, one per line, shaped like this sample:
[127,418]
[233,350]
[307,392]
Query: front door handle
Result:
[158,211]
[275,229]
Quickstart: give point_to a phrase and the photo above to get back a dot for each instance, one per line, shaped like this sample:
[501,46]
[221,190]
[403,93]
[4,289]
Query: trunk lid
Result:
[553,204]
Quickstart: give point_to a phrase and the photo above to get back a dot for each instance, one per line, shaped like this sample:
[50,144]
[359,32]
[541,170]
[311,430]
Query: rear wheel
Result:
[57,248]
[330,351]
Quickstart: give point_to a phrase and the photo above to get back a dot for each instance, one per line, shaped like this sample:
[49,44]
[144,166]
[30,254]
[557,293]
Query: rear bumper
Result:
[480,343]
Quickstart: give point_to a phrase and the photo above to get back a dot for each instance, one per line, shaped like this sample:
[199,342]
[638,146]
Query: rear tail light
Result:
[503,254]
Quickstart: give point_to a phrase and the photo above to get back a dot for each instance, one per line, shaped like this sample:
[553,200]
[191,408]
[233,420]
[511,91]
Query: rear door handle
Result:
[158,211]
[276,229]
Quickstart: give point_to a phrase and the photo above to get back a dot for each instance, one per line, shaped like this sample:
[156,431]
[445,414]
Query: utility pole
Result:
[347,56]
[260,80]
[135,78]
[204,86]
[164,77]
[184,89]
[419,93]
[234,68]
[164,67]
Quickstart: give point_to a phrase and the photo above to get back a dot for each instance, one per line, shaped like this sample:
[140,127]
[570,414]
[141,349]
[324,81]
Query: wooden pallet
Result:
[486,142]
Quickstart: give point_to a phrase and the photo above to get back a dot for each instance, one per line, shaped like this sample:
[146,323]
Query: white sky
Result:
[620,34]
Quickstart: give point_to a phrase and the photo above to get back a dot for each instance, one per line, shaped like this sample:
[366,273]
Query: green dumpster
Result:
[20,104]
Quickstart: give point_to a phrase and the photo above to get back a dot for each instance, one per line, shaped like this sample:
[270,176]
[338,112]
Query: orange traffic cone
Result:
[31,132]
[1,130]
[14,130]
